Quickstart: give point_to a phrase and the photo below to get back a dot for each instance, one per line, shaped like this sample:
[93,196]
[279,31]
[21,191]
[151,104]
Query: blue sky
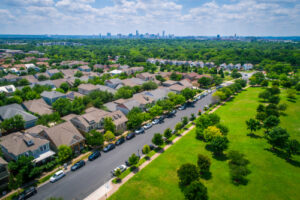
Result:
[179,17]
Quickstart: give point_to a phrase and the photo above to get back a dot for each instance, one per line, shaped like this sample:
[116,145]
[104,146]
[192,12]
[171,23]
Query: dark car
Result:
[109,147]
[120,141]
[78,165]
[130,136]
[151,147]
[172,113]
[27,193]
[161,119]
[94,155]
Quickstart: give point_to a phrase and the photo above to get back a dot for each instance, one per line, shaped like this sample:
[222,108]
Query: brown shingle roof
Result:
[38,106]
[64,134]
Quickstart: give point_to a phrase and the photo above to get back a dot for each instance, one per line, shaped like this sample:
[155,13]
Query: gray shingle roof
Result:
[12,110]
[52,94]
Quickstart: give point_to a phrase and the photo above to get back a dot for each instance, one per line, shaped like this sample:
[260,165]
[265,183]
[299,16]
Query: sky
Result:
[179,17]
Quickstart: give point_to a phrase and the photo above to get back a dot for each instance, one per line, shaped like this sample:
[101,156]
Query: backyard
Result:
[271,177]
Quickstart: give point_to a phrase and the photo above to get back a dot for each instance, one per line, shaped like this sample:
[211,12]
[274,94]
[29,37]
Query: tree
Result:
[65,87]
[157,139]
[22,171]
[118,173]
[195,191]
[282,107]
[135,118]
[109,136]
[219,144]
[270,122]
[146,149]
[277,137]
[260,108]
[133,160]
[292,148]
[264,95]
[211,132]
[224,129]
[187,173]
[94,138]
[253,125]
[238,167]
[109,125]
[42,77]
[150,85]
[15,123]
[64,153]
[57,76]
[155,111]
[78,105]
[297,87]
[261,116]
[205,81]
[203,163]
[193,117]
[78,74]
[274,99]
[168,133]
[125,92]
[235,74]
[188,93]
[63,106]
[178,126]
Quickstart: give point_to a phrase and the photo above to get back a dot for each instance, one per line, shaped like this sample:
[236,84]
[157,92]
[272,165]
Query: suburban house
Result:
[30,78]
[186,83]
[192,76]
[40,74]
[133,70]
[51,72]
[247,66]
[87,88]
[38,106]
[4,174]
[19,144]
[8,89]
[146,76]
[52,96]
[46,83]
[114,83]
[11,78]
[169,83]
[92,119]
[119,119]
[107,89]
[177,88]
[64,134]
[127,105]
[68,73]
[31,66]
[11,110]
[111,106]
[71,95]
[84,68]
[143,100]
[158,94]
[133,82]
[58,82]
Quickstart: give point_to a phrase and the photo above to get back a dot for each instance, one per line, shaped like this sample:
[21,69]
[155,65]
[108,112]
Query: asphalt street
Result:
[81,183]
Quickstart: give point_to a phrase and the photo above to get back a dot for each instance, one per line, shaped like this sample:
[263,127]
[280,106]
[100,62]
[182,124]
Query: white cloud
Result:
[28,2]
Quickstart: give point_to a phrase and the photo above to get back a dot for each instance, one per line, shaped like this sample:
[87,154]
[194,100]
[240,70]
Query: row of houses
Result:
[246,66]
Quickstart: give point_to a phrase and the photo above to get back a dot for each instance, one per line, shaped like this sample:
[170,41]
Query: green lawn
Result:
[271,176]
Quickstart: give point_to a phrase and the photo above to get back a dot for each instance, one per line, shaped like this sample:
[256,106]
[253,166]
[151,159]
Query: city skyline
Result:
[178,17]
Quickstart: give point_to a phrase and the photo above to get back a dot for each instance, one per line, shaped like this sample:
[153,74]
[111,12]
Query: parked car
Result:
[120,141]
[78,165]
[195,100]
[140,130]
[29,192]
[127,162]
[130,136]
[173,112]
[199,97]
[121,167]
[109,147]
[151,147]
[94,155]
[58,175]
[155,121]
[147,126]
[161,119]
[182,107]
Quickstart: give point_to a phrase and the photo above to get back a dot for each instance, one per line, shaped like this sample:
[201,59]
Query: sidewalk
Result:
[109,188]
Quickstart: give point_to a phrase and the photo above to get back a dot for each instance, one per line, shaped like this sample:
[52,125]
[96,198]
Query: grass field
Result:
[271,177]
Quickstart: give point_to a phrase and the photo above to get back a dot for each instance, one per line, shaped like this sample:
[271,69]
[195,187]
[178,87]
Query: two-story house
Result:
[51,96]
[19,144]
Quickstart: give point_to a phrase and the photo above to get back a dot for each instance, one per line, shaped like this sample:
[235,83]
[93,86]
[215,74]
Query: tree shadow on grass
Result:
[219,156]
[206,175]
[134,169]
[281,154]
[254,136]
[291,100]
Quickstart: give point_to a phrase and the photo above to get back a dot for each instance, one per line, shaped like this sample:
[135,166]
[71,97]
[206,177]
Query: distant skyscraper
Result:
[137,33]
[163,33]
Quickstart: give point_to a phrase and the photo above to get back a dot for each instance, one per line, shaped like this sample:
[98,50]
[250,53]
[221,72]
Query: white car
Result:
[156,121]
[58,175]
[147,126]
[121,167]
